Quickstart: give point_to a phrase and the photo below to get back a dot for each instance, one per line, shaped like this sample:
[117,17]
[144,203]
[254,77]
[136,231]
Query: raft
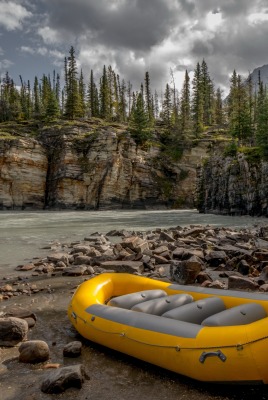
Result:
[206,334]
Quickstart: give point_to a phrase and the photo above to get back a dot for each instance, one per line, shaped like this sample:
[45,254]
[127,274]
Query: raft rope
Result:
[238,346]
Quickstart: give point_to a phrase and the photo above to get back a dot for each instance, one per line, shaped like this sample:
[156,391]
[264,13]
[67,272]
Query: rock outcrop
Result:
[233,185]
[87,165]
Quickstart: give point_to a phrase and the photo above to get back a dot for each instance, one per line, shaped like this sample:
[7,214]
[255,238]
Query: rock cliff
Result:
[233,185]
[86,165]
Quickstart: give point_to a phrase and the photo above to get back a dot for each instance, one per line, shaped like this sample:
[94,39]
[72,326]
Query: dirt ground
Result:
[112,375]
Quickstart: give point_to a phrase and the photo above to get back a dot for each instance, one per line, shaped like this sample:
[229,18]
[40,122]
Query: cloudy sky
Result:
[134,36]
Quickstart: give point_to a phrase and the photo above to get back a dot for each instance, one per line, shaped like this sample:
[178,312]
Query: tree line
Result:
[181,114]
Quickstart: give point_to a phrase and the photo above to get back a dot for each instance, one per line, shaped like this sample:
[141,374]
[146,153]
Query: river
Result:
[23,234]
[113,375]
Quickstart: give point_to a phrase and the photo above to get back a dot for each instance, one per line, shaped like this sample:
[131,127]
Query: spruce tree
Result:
[104,95]
[197,102]
[139,124]
[73,107]
[185,106]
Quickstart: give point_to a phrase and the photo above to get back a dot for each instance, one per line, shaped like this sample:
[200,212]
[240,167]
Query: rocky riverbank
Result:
[34,304]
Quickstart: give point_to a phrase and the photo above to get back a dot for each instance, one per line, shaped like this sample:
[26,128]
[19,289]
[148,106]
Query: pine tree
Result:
[82,94]
[52,110]
[262,120]
[219,114]
[36,100]
[166,113]
[185,106]
[148,99]
[207,92]
[198,102]
[139,124]
[73,106]
[104,95]
[239,110]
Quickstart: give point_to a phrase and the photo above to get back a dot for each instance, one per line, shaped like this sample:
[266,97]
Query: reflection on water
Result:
[23,234]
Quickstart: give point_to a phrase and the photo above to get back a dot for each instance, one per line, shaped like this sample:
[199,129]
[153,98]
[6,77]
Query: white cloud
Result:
[49,35]
[26,49]
[42,51]
[12,15]
[257,18]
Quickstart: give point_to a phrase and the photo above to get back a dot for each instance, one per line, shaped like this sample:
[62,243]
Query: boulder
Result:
[185,272]
[12,331]
[166,237]
[80,260]
[241,283]
[56,257]
[243,267]
[63,378]
[215,258]
[72,349]
[33,351]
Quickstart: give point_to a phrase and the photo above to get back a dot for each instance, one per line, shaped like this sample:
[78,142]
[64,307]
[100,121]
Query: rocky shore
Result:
[33,305]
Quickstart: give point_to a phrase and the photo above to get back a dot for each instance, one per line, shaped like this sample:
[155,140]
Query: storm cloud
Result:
[135,36]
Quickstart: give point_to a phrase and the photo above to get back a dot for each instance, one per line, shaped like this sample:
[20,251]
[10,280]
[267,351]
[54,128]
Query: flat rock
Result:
[241,283]
[63,378]
[75,271]
[123,266]
[33,351]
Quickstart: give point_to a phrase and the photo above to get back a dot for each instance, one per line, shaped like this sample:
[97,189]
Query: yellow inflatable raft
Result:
[206,334]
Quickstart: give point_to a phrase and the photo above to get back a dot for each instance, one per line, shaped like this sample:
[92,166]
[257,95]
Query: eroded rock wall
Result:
[23,169]
[81,167]
[233,186]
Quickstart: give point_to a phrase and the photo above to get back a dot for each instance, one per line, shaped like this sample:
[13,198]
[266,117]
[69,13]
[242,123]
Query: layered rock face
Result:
[233,186]
[79,166]
[23,169]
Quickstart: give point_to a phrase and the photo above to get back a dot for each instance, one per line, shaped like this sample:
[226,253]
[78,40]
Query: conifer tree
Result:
[104,95]
[185,106]
[139,124]
[166,113]
[197,101]
[262,120]
[219,114]
[36,100]
[73,107]
[148,98]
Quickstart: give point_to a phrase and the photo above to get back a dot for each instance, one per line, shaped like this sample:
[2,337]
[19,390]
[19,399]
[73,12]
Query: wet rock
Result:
[243,267]
[160,259]
[241,283]
[215,258]
[63,378]
[159,250]
[12,331]
[185,272]
[75,271]
[123,266]
[81,249]
[25,267]
[166,236]
[263,277]
[72,349]
[203,276]
[33,351]
[56,257]
[82,260]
